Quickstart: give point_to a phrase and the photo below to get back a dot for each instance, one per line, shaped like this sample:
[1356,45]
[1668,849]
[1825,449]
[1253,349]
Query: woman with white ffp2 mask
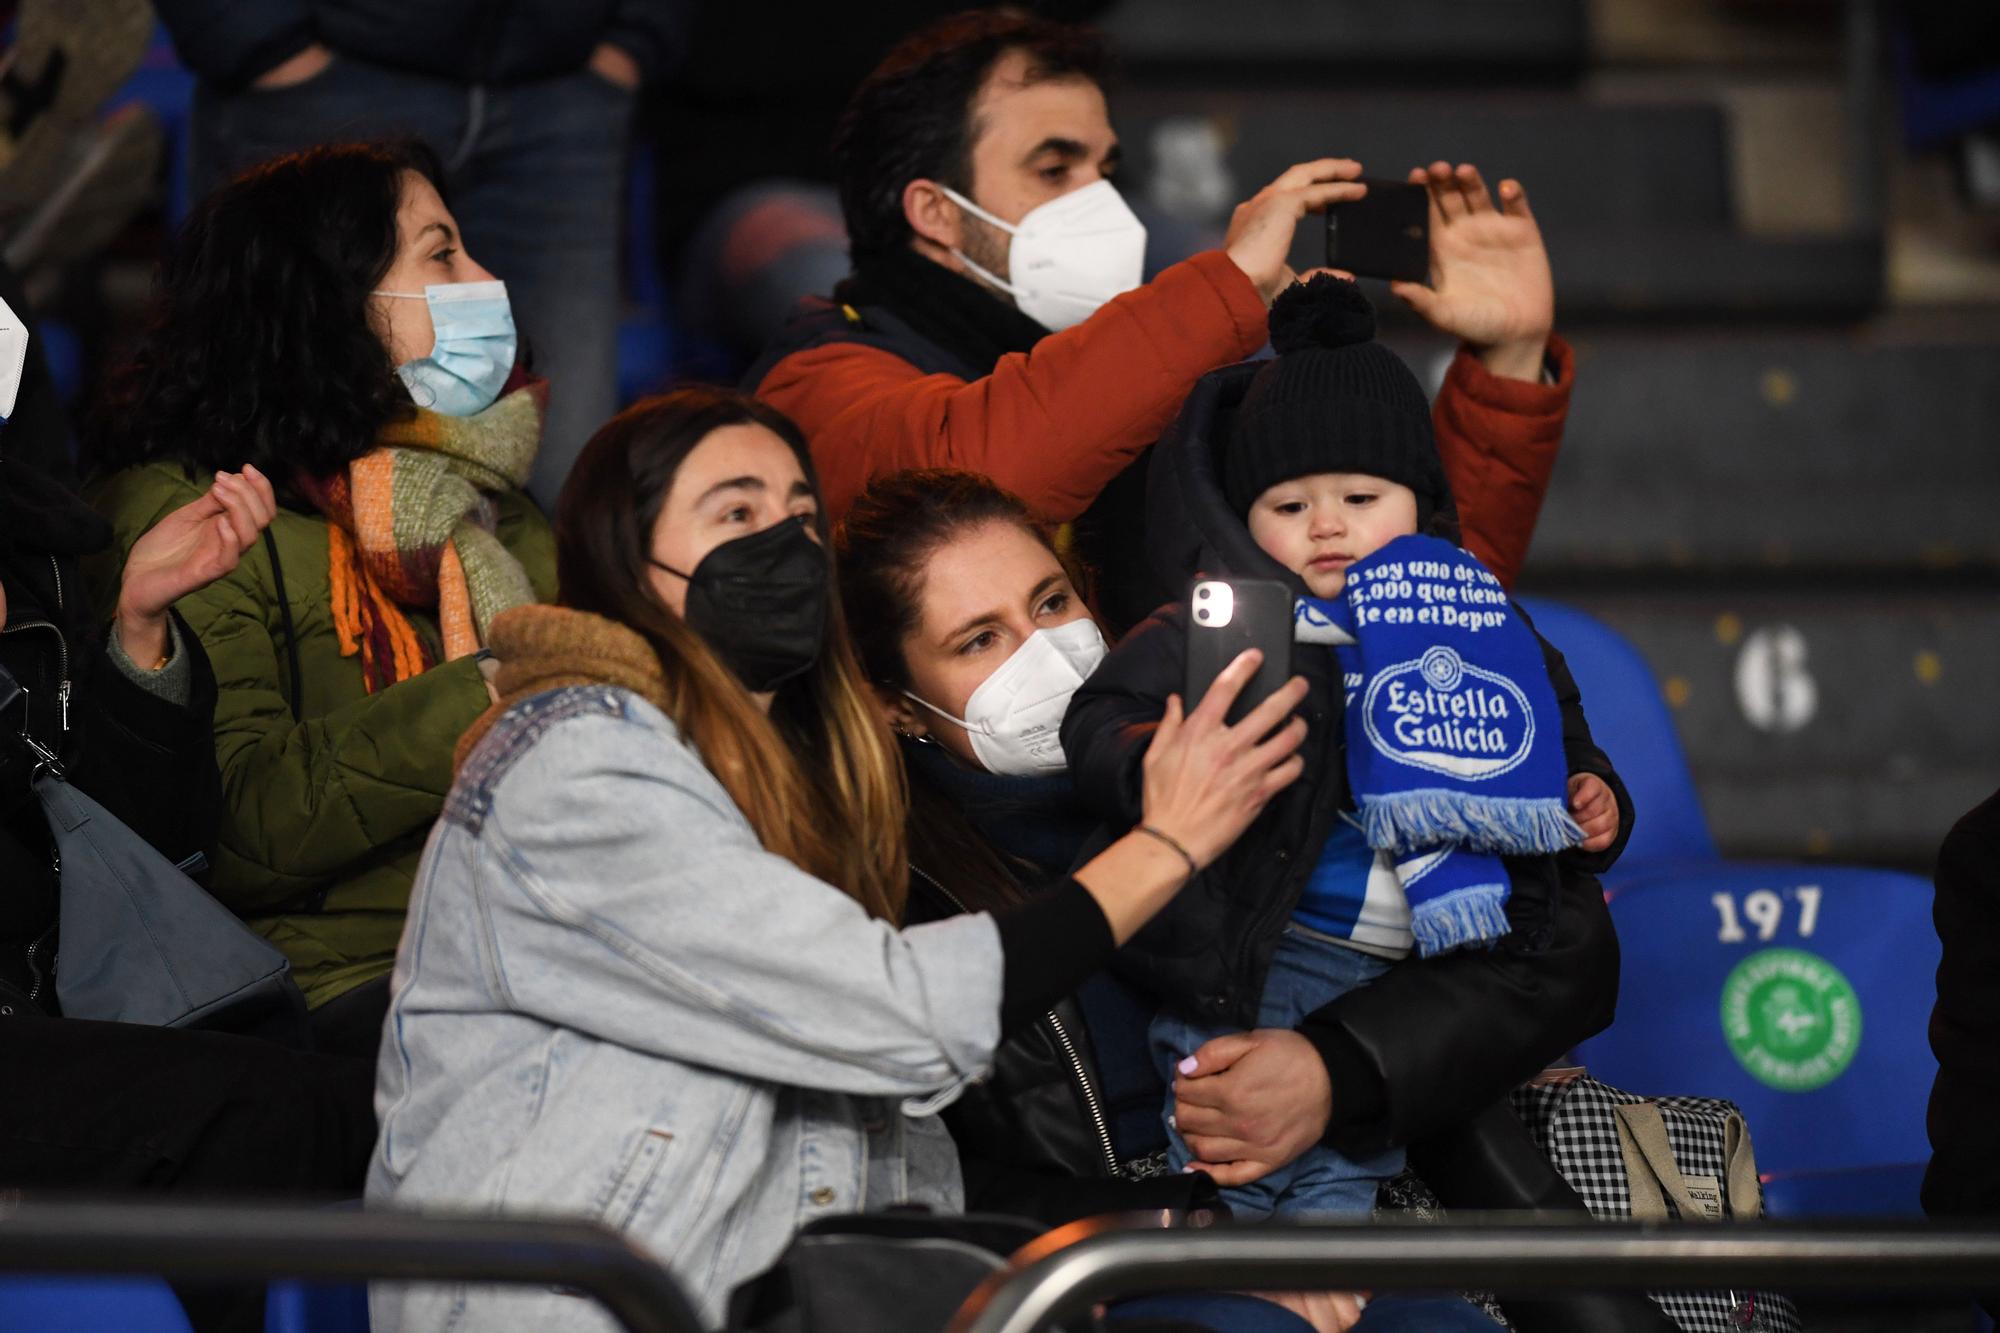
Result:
[951,585]
[991,635]
[1014,718]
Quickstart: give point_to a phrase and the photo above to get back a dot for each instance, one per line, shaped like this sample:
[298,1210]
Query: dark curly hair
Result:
[261,347]
[911,119]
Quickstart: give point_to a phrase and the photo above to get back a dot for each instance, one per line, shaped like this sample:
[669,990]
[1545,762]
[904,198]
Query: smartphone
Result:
[1227,616]
[1384,234]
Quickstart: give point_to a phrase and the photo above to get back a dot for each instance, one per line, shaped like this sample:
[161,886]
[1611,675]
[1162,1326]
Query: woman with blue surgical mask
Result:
[321,319]
[447,321]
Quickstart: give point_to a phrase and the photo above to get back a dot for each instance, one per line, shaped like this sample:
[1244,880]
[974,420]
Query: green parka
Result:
[323,818]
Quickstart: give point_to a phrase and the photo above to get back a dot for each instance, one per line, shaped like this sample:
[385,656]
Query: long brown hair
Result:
[819,778]
[885,544]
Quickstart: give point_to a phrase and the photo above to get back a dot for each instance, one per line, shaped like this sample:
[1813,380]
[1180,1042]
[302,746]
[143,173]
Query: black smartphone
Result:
[1227,616]
[1386,233]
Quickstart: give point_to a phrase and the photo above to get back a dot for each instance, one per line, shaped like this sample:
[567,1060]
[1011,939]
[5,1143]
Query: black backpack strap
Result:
[285,621]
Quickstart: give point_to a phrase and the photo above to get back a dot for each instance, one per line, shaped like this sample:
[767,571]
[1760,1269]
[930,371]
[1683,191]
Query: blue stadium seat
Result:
[1872,1191]
[646,333]
[316,1307]
[89,1305]
[163,84]
[1800,992]
[1634,726]
[63,350]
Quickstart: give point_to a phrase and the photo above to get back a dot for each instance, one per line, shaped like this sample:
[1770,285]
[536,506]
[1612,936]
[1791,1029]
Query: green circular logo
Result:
[1791,1019]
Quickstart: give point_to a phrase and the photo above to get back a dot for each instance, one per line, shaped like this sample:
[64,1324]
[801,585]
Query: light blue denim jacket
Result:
[611,1002]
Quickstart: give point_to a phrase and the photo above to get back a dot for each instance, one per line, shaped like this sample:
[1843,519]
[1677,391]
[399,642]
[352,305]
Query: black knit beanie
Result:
[1333,400]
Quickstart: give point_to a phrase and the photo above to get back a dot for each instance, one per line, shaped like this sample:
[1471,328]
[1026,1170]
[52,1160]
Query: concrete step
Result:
[1709,451]
[1851,725]
[1636,198]
[1585,165]
[1515,36]
[1734,452]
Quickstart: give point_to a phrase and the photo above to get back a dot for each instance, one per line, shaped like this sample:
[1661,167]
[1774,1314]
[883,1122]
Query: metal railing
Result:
[1107,1258]
[1059,1275]
[184,1242]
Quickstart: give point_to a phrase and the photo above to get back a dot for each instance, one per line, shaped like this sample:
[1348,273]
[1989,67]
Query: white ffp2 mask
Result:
[1015,716]
[1069,256]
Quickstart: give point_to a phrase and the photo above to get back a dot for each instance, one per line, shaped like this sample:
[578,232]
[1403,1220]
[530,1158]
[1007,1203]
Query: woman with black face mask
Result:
[654,971]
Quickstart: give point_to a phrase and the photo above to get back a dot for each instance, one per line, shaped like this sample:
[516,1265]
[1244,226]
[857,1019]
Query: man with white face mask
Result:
[996,318]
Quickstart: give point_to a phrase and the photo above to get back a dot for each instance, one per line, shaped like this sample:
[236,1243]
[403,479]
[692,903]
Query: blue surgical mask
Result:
[474,351]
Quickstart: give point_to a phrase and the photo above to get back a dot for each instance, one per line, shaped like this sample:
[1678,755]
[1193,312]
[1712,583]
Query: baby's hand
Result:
[1595,809]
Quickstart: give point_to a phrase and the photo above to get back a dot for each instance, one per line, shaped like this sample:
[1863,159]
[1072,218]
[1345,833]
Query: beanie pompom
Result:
[1325,312]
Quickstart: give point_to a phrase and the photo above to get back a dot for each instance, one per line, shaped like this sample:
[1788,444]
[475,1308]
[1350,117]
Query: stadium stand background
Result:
[1775,227]
[1780,478]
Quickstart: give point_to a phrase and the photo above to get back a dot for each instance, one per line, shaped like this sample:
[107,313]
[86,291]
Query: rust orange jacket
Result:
[1056,424]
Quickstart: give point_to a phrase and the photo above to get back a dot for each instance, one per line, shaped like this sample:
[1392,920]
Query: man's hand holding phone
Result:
[1473,267]
[1261,229]
[1490,283]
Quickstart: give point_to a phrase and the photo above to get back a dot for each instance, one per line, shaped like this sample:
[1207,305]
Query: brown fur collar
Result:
[547,647]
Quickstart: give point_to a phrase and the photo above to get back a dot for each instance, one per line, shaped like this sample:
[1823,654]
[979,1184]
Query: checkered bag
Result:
[1655,1158]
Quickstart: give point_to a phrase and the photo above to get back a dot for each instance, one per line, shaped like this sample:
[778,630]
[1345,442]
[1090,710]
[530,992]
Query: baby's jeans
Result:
[1308,970]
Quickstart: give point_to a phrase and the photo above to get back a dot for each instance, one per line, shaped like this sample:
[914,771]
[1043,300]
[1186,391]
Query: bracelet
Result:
[1185,855]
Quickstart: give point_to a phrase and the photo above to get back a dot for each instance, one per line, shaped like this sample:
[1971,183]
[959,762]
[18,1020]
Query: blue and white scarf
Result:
[1454,737]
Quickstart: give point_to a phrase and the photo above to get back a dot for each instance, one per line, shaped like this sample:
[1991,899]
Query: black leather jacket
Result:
[1034,1137]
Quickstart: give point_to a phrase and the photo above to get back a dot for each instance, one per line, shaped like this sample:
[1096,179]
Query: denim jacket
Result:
[611,1002]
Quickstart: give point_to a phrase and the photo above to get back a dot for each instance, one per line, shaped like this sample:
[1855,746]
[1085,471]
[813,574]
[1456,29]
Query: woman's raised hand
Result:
[1205,780]
[185,552]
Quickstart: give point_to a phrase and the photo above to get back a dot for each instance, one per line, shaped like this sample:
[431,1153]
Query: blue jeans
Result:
[1307,971]
[534,173]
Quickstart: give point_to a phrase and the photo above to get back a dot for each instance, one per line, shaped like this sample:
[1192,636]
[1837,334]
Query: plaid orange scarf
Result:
[410,524]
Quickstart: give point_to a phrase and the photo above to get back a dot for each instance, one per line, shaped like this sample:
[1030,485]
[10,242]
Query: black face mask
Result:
[760,603]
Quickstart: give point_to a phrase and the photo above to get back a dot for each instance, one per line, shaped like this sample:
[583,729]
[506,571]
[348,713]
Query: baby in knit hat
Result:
[1331,454]
[1326,456]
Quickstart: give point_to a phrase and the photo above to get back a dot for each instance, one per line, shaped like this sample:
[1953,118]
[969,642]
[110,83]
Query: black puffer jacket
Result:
[1499,1015]
[231,42]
